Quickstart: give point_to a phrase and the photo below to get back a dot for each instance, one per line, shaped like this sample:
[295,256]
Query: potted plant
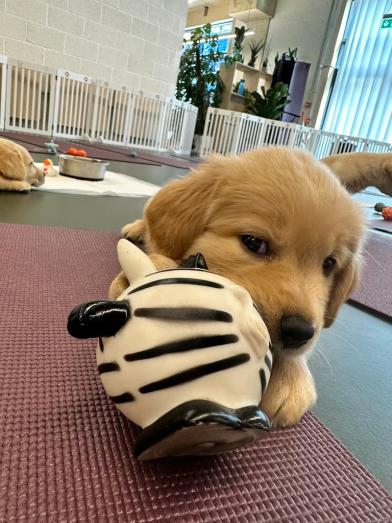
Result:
[198,80]
[239,43]
[269,104]
[255,48]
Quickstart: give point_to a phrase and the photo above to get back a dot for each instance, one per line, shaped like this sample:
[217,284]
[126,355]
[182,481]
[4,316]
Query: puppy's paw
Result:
[134,231]
[290,393]
[162,262]
[118,286]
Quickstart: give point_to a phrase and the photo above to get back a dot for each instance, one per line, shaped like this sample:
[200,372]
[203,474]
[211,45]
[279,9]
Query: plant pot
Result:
[196,147]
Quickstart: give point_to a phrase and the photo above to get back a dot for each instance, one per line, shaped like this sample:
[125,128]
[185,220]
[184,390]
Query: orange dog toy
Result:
[385,211]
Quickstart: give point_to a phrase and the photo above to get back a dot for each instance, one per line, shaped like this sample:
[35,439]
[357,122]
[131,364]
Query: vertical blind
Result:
[361,100]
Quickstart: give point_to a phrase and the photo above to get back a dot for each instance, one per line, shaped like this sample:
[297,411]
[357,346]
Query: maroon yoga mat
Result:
[381,225]
[66,453]
[375,289]
[102,151]
[31,140]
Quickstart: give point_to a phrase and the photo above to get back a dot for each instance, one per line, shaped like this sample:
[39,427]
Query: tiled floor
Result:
[353,362]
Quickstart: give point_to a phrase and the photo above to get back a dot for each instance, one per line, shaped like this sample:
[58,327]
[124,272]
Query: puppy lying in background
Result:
[357,171]
[17,169]
[279,223]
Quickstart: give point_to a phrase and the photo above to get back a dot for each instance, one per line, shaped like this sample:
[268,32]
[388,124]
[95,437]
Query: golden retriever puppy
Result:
[279,223]
[17,169]
[357,171]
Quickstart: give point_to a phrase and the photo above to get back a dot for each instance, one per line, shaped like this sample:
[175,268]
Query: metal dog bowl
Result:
[82,168]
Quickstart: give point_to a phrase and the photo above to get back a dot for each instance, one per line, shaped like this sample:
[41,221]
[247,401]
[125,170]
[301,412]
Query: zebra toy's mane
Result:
[179,346]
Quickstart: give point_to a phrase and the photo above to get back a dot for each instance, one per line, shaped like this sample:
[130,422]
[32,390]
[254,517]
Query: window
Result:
[360,103]
[221,28]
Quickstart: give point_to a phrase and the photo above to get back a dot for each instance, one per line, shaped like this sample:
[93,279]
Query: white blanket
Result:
[114,184]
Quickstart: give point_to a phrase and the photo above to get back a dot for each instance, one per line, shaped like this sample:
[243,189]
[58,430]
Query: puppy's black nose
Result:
[295,331]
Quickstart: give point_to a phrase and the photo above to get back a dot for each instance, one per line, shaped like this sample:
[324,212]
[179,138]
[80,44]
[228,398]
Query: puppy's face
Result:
[282,226]
[34,176]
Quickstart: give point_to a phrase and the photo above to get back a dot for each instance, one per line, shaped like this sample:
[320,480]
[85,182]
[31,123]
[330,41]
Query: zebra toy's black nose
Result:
[195,261]
[295,331]
[98,319]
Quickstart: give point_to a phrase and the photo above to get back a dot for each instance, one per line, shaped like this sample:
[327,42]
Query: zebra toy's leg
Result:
[200,428]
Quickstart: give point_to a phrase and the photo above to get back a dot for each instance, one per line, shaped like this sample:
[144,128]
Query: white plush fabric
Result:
[114,184]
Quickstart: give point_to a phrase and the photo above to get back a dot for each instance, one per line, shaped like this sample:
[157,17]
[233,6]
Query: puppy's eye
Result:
[256,245]
[328,265]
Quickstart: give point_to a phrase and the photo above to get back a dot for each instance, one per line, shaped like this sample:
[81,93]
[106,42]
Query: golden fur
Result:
[357,171]
[17,169]
[296,204]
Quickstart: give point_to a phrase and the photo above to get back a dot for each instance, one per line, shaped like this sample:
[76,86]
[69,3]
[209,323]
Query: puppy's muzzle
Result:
[295,331]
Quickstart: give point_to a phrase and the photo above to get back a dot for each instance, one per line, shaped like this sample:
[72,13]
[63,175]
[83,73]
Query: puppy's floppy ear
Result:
[12,166]
[344,283]
[179,212]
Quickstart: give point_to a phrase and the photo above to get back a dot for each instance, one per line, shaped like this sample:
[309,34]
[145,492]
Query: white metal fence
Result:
[29,98]
[73,105]
[229,132]
[68,105]
[3,88]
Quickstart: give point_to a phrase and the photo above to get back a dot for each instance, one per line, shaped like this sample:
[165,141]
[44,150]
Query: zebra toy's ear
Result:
[98,319]
[133,261]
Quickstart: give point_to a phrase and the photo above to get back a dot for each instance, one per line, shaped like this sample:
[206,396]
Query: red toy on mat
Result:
[385,211]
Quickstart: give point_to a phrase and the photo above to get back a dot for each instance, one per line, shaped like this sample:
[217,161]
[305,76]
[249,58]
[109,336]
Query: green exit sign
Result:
[386,21]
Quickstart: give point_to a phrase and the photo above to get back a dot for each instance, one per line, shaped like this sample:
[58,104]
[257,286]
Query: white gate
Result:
[249,134]
[111,113]
[147,122]
[373,146]
[30,98]
[73,111]
[180,127]
[221,131]
[3,88]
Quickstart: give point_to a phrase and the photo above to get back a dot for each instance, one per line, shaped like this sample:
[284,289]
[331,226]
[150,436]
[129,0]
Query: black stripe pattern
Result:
[203,342]
[108,367]
[122,398]
[184,314]
[177,281]
[268,362]
[195,373]
[263,380]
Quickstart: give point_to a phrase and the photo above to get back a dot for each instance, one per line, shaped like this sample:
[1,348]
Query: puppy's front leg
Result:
[291,391]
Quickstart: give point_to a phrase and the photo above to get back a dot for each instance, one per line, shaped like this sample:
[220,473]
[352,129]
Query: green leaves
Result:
[255,48]
[198,81]
[269,104]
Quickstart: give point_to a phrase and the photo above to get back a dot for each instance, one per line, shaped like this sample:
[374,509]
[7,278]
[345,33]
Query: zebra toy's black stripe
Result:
[184,314]
[122,398]
[263,380]
[203,342]
[195,373]
[100,343]
[108,367]
[176,281]
[268,362]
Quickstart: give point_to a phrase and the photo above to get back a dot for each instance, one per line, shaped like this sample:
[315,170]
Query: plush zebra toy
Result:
[183,353]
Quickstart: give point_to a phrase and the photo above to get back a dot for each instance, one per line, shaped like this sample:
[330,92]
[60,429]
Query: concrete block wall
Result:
[136,43]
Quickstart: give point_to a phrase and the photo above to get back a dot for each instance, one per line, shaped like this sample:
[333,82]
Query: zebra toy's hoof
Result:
[198,428]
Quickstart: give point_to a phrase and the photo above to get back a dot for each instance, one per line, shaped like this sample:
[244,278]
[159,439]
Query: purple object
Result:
[66,453]
[292,111]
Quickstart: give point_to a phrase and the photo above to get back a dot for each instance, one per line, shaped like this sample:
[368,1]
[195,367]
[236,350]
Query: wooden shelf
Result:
[237,95]
[231,74]
[246,68]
